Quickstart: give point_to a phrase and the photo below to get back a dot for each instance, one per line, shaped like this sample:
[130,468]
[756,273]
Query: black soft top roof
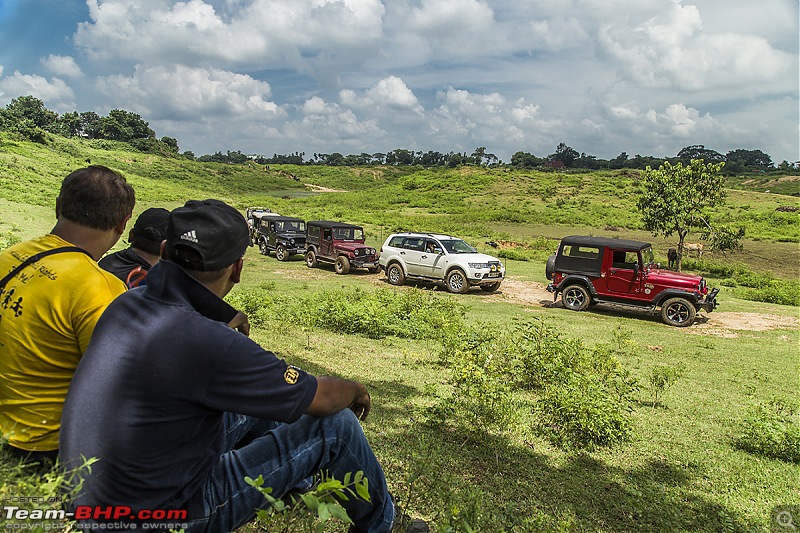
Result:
[283,218]
[605,241]
[331,224]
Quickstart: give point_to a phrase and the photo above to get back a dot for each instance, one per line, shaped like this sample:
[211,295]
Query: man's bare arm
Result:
[334,394]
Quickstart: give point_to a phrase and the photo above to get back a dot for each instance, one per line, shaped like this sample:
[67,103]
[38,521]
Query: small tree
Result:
[674,199]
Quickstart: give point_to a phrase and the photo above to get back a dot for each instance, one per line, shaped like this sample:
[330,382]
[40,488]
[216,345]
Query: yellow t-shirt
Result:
[47,314]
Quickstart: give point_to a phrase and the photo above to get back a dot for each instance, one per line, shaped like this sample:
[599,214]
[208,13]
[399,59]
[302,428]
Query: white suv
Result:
[439,258]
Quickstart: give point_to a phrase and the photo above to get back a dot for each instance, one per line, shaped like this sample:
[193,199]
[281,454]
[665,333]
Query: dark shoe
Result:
[405,524]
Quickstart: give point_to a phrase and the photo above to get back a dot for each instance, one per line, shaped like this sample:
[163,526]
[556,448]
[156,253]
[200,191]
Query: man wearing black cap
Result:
[131,264]
[179,407]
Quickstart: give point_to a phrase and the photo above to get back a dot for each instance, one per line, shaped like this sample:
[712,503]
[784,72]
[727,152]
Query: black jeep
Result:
[285,236]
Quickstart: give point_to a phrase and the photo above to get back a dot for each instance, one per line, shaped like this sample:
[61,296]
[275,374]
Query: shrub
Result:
[416,313]
[582,413]
[772,429]
[7,239]
[662,377]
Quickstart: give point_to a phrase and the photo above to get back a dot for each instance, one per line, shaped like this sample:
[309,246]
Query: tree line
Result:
[28,117]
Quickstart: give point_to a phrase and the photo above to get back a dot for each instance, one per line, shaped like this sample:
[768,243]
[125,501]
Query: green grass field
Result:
[682,469]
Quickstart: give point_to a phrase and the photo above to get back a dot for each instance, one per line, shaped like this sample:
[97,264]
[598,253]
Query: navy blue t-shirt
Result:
[148,398]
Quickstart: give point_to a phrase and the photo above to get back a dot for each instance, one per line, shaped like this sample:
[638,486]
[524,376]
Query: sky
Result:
[646,77]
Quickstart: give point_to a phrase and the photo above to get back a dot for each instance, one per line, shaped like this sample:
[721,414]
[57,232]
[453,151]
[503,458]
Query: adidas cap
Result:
[206,235]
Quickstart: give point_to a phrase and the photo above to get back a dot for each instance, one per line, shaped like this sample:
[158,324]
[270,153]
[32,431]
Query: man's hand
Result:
[361,405]
[240,323]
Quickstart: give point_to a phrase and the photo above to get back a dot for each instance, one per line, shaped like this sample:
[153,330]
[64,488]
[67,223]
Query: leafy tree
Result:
[70,124]
[675,199]
[171,143]
[698,151]
[723,238]
[525,160]
[28,117]
[565,154]
[744,160]
[91,125]
[619,161]
[121,125]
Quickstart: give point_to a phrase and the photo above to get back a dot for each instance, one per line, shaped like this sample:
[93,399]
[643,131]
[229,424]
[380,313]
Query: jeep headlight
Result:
[478,265]
[291,242]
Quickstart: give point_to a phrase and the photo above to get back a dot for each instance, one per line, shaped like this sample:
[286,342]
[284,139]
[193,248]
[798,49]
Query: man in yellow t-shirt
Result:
[49,308]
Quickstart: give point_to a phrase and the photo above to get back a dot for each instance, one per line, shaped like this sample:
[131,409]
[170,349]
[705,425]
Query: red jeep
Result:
[590,270]
[341,244]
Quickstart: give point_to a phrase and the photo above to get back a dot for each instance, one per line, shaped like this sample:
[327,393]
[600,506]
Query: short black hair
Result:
[96,197]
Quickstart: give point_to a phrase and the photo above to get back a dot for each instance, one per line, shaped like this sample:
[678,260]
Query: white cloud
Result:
[194,93]
[55,93]
[672,51]
[62,66]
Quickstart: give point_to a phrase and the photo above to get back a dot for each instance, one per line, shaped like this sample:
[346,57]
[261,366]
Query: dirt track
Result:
[718,323]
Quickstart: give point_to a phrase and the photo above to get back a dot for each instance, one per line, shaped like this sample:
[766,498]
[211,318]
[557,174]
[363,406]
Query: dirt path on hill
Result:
[320,188]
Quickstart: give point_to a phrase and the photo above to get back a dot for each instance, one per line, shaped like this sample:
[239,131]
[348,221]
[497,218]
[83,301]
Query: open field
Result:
[680,470]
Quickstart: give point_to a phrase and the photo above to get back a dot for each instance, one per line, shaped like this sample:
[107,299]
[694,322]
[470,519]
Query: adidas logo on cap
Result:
[189,236]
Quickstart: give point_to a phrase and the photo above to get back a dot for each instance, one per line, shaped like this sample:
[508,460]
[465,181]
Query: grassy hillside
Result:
[459,401]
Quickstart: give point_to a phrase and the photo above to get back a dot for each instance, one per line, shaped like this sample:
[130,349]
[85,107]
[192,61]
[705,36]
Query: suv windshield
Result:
[290,226]
[348,234]
[457,246]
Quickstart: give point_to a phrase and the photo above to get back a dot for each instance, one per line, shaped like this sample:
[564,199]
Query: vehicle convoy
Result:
[441,259]
[339,243]
[285,236]
[591,270]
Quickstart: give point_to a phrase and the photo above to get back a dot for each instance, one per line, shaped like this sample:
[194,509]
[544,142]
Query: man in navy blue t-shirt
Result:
[178,407]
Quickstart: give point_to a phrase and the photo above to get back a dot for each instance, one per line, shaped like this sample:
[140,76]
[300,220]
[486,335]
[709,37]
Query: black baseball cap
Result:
[149,230]
[206,235]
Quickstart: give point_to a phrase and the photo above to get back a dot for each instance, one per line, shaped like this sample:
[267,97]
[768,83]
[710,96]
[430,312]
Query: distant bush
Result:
[772,429]
[414,313]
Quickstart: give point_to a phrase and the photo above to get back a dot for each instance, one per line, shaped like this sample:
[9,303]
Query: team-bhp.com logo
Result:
[122,516]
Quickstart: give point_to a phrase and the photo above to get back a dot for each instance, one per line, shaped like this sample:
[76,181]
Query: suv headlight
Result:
[357,252]
[478,265]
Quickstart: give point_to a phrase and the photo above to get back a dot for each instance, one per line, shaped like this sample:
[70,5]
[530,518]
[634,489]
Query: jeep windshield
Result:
[290,226]
[348,234]
[457,246]
[647,257]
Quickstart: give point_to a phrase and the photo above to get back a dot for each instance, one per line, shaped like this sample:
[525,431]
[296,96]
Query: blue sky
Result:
[644,77]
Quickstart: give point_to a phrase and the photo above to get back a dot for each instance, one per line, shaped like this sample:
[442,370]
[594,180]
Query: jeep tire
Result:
[457,281]
[311,259]
[575,297]
[280,253]
[491,287]
[262,247]
[394,274]
[342,265]
[678,312]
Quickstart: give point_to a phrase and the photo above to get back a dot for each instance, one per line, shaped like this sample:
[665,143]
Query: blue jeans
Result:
[288,456]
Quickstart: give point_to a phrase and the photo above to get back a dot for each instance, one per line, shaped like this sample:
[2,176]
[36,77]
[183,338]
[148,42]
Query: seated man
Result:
[178,406]
[131,264]
[49,306]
